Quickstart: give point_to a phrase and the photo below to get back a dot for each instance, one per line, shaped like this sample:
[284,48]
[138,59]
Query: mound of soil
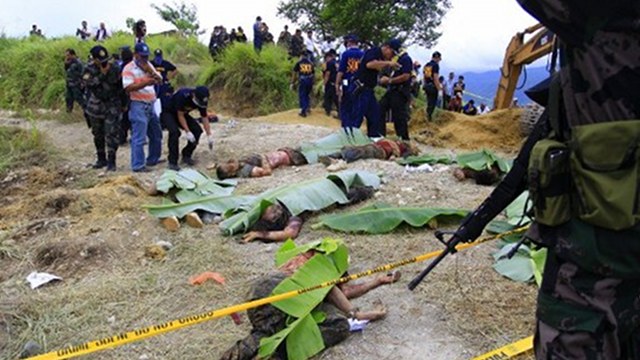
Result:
[499,130]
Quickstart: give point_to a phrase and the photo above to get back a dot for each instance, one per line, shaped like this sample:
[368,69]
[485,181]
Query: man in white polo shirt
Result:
[138,80]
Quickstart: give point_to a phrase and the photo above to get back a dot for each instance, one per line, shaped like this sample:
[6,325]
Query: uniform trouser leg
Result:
[432,99]
[348,109]
[125,126]
[170,122]
[98,131]
[69,98]
[582,315]
[196,130]
[400,111]
[371,111]
[386,111]
[329,97]
[304,93]
[154,132]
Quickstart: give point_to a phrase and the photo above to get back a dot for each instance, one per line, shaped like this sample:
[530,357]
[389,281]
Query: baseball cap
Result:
[351,37]
[201,97]
[394,44]
[437,54]
[99,53]
[157,52]
[141,49]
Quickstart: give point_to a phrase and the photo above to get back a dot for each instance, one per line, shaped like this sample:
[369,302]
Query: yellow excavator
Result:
[520,53]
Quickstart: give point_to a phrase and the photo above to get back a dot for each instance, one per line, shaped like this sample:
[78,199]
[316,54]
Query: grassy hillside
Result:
[252,83]
[32,69]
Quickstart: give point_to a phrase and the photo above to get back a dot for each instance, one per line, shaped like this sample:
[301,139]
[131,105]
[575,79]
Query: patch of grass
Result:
[260,80]
[32,69]
[21,146]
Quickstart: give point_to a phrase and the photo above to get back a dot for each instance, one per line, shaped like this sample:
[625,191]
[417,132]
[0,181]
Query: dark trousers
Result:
[366,106]
[125,126]
[170,122]
[396,102]
[330,98]
[432,98]
[74,94]
[305,87]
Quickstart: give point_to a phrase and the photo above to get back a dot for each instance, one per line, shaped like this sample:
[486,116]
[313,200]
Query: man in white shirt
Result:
[310,45]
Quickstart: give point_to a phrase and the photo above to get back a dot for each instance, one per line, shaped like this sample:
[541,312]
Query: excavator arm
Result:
[518,54]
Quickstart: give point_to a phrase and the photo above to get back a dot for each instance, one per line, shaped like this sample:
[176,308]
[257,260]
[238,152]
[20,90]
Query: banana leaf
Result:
[426,159]
[213,204]
[482,160]
[525,265]
[302,336]
[193,185]
[382,218]
[311,195]
[333,143]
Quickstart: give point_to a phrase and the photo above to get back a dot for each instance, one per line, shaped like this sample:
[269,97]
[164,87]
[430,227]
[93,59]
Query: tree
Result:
[415,21]
[184,17]
[130,22]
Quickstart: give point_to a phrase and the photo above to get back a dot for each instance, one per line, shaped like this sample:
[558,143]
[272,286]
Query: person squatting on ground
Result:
[395,102]
[303,73]
[260,165]
[349,63]
[74,70]
[175,117]
[329,74]
[267,320]
[589,300]
[138,79]
[363,85]
[383,149]
[102,79]
[432,84]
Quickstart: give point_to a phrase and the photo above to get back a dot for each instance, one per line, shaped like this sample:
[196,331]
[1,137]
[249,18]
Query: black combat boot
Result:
[102,161]
[111,161]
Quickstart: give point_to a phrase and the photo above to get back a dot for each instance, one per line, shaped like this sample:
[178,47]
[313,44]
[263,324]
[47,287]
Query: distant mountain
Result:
[482,86]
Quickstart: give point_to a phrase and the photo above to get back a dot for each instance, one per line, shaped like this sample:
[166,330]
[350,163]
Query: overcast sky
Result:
[475,32]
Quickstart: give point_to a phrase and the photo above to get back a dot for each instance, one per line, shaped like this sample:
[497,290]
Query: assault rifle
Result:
[513,184]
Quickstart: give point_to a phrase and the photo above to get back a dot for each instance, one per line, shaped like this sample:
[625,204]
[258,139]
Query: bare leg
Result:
[353,291]
[337,298]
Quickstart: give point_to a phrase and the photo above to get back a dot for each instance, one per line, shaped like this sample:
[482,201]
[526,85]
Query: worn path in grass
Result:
[90,230]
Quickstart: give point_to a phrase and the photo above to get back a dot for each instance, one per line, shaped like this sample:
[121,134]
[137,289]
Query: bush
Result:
[17,145]
[261,80]
[31,68]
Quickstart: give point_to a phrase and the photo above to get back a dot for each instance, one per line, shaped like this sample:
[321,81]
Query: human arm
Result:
[339,84]
[291,231]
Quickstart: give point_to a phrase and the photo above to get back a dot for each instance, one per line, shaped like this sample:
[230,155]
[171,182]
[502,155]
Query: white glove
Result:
[440,94]
[210,142]
[190,137]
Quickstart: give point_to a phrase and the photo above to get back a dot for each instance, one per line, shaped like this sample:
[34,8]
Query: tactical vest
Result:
[591,172]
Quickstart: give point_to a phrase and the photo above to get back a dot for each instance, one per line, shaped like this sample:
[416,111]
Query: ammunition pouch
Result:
[550,182]
[594,177]
[605,163]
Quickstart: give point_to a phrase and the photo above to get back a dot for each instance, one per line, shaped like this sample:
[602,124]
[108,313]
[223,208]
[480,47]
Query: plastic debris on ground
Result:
[37,279]
[357,325]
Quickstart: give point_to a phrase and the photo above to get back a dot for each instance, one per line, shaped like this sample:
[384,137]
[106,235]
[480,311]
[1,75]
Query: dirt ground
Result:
[66,219]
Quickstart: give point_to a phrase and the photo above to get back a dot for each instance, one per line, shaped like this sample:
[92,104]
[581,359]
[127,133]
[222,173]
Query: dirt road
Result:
[66,219]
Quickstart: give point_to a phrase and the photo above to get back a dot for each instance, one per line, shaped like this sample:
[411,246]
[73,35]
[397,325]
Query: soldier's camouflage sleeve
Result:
[605,38]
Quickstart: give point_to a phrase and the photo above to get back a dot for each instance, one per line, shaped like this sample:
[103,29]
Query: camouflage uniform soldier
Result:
[104,107]
[73,69]
[589,300]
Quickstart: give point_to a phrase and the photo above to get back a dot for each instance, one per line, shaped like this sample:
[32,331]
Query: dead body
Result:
[483,177]
[383,150]
[267,320]
[277,223]
[260,165]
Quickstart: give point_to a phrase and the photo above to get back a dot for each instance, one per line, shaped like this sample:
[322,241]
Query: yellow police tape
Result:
[151,331]
[509,351]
